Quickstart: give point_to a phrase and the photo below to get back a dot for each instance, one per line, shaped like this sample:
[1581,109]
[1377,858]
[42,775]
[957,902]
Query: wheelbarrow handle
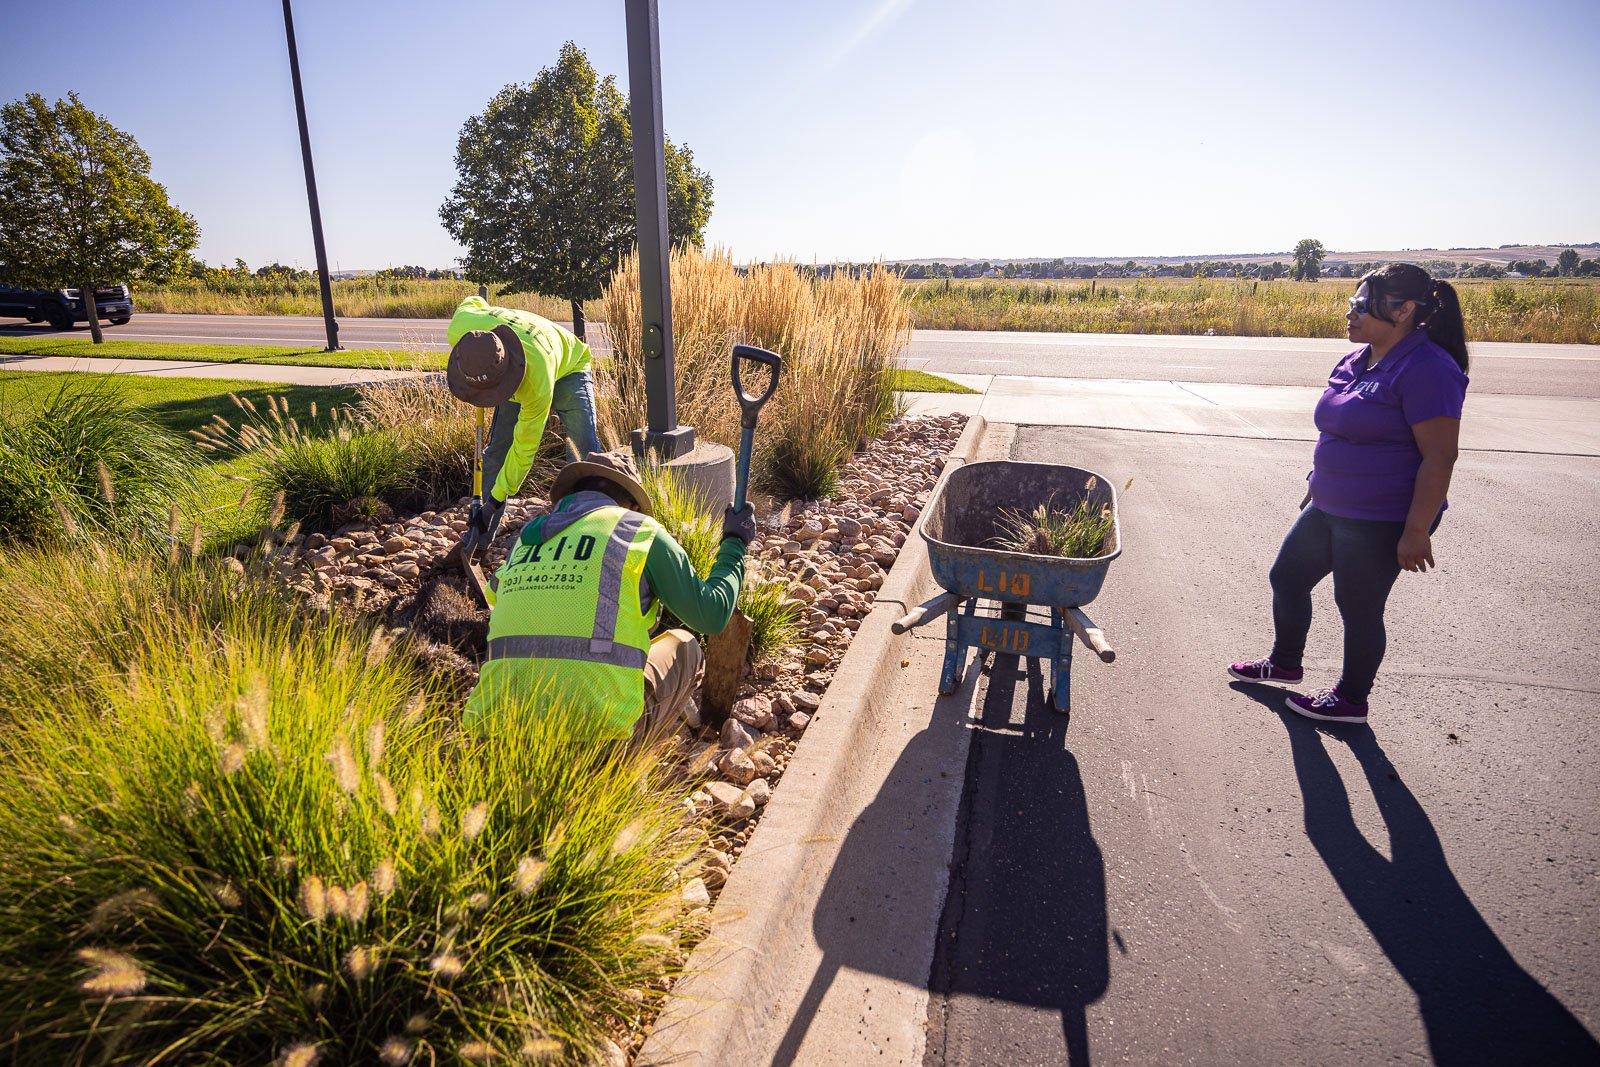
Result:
[751,405]
[1090,634]
[927,611]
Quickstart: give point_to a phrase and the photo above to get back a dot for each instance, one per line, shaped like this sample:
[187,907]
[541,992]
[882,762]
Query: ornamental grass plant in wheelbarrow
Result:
[1019,549]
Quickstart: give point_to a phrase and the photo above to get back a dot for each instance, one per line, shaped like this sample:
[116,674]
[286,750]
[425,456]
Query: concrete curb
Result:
[725,1008]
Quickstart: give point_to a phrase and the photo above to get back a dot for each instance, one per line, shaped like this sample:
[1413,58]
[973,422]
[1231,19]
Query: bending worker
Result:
[575,601]
[524,367]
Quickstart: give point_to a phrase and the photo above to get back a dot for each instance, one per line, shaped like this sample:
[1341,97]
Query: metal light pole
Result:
[661,433]
[311,185]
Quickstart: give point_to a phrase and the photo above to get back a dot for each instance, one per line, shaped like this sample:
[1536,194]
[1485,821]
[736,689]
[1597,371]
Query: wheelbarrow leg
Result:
[1061,666]
[954,653]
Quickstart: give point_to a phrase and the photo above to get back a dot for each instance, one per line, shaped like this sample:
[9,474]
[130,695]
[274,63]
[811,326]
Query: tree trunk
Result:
[92,311]
[577,318]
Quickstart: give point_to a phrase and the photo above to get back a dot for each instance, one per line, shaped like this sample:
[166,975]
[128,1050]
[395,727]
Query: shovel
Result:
[726,652]
[467,552]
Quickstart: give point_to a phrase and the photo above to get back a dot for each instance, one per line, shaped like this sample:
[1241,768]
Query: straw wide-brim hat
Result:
[486,366]
[616,467]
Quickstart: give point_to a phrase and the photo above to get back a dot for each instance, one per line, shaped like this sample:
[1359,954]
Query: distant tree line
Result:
[1568,265]
[198,269]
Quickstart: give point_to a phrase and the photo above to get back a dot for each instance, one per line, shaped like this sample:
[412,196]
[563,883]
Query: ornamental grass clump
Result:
[85,463]
[337,467]
[1078,532]
[840,336]
[257,835]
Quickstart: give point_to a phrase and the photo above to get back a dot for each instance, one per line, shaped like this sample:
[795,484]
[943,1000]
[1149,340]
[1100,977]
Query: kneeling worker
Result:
[523,366]
[575,601]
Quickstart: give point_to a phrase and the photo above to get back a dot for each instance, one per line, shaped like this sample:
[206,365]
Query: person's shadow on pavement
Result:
[1477,1003]
[1025,922]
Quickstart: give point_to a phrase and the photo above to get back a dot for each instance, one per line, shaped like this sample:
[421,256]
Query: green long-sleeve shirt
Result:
[704,606]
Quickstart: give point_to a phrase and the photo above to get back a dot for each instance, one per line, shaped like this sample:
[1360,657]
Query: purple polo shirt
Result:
[1366,460]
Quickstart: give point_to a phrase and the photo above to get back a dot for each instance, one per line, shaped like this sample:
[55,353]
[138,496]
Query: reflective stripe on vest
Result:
[548,646]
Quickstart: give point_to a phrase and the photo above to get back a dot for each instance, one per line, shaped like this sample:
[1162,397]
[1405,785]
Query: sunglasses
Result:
[1362,305]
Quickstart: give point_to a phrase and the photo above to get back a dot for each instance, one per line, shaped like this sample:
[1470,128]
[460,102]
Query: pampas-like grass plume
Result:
[232,758]
[383,878]
[361,961]
[313,899]
[473,820]
[116,974]
[337,901]
[69,525]
[355,903]
[530,872]
[478,1052]
[447,965]
[343,761]
[108,911]
[386,797]
[252,707]
[108,492]
[227,896]
[627,837]
[542,1049]
[396,1051]
[303,1054]
[375,741]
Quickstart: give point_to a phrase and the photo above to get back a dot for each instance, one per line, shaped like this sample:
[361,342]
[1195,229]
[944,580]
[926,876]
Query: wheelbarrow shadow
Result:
[1477,1003]
[1025,922]
[1022,838]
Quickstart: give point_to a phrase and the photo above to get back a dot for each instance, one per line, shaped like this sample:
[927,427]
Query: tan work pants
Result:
[672,674]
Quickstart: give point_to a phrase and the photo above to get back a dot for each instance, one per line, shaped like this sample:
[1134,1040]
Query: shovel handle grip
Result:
[751,405]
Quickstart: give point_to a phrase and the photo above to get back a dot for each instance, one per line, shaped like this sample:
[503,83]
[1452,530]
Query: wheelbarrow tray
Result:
[963,521]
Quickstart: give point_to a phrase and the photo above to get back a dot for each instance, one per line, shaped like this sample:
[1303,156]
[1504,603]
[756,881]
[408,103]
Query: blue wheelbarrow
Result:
[1012,602]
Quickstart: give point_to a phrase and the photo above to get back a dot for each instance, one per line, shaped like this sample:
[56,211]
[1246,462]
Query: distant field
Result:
[1564,310]
[353,297]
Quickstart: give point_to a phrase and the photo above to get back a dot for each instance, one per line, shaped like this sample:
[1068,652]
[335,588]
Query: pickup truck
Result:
[62,307]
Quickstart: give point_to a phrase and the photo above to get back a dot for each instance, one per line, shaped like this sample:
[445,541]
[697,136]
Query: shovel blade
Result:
[726,653]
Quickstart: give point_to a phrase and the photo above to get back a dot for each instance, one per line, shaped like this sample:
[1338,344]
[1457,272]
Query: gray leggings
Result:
[1360,554]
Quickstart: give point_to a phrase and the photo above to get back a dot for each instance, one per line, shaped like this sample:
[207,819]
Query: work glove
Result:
[740,524]
[484,516]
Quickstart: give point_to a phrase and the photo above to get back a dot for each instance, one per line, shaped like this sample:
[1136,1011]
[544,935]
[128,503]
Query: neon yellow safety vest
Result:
[568,616]
[551,354]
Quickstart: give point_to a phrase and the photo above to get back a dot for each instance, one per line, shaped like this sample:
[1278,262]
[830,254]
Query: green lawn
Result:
[182,404]
[916,381]
[355,359]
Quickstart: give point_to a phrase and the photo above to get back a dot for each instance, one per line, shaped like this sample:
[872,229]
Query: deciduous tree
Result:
[1567,262]
[1308,256]
[78,206]
[543,200]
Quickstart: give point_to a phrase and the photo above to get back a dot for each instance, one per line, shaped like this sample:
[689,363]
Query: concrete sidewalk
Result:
[1492,422]
[178,368]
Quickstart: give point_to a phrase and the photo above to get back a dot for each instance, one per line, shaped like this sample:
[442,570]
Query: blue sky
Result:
[895,128]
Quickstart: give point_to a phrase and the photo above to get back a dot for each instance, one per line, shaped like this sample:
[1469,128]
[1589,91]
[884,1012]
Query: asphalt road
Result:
[1178,872]
[1534,369]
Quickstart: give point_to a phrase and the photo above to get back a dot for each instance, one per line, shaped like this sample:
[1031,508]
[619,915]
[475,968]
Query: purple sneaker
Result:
[1327,705]
[1263,670]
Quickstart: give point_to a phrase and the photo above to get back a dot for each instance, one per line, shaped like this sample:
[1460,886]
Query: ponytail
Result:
[1438,305]
[1445,325]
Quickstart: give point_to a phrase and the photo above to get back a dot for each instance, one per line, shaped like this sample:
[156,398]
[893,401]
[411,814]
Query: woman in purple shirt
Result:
[1390,421]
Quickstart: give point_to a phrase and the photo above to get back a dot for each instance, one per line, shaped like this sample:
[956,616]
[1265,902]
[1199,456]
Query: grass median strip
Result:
[917,381]
[271,355]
